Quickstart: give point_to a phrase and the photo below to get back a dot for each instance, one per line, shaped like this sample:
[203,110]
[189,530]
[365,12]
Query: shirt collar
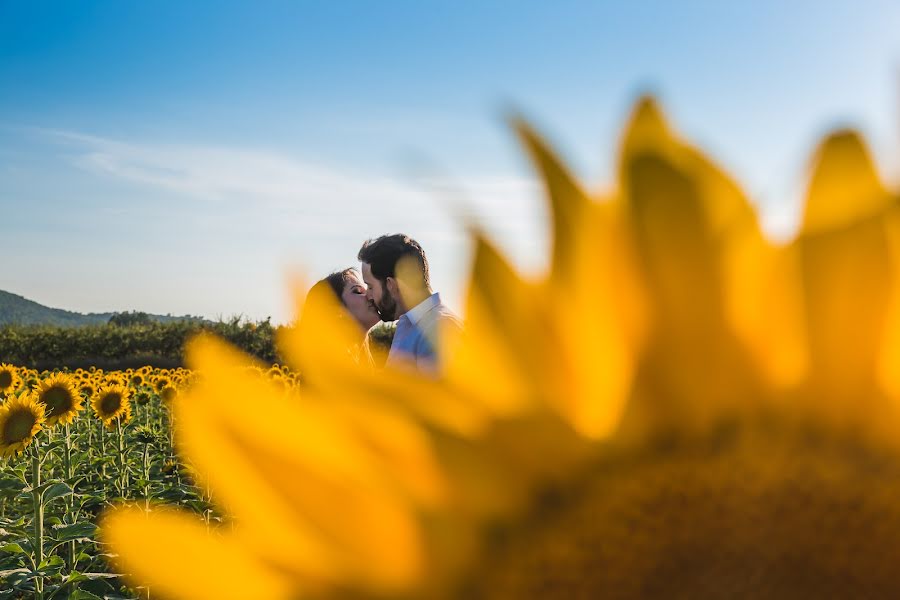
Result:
[415,314]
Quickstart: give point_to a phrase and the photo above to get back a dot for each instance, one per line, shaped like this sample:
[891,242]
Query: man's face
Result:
[378,295]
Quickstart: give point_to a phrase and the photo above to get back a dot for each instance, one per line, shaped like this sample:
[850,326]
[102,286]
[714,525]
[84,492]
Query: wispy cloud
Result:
[284,183]
[314,208]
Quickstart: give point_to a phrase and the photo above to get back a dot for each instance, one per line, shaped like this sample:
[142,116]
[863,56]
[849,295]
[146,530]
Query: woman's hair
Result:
[338,280]
[319,299]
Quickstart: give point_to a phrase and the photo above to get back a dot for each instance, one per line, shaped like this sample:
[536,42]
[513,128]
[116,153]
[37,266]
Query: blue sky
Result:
[185,157]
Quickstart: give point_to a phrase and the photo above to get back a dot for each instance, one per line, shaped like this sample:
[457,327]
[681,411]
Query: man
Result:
[395,271]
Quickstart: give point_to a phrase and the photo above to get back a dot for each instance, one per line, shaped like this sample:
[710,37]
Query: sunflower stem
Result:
[145,467]
[38,505]
[70,500]
[90,443]
[101,439]
[120,443]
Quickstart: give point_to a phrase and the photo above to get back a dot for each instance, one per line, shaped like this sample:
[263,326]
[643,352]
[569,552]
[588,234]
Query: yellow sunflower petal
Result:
[504,334]
[206,565]
[848,274]
[599,327]
[569,206]
[844,187]
[677,226]
[336,510]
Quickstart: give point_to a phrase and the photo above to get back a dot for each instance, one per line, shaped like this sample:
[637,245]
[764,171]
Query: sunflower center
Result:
[17,426]
[771,519]
[6,379]
[110,403]
[57,400]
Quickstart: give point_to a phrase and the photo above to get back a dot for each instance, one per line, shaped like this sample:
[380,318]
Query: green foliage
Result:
[112,346]
[130,319]
[85,469]
[381,336]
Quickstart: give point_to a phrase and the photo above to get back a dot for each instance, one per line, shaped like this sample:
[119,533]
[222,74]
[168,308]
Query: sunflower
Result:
[136,380]
[168,393]
[9,379]
[160,382]
[112,403]
[113,378]
[86,390]
[706,414]
[20,419]
[59,395]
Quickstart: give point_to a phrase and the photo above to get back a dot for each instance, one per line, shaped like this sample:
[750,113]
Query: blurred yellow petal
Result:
[175,555]
[848,275]
[689,333]
[595,306]
[889,358]
[844,187]
[503,314]
[335,510]
[569,206]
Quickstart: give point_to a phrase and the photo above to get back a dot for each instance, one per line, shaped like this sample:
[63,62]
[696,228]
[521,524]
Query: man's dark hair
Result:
[383,253]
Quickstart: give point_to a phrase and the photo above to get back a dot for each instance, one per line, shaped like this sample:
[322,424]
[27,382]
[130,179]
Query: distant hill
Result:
[16,310]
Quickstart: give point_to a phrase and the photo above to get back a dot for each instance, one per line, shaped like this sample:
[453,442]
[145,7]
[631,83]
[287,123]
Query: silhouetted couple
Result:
[394,285]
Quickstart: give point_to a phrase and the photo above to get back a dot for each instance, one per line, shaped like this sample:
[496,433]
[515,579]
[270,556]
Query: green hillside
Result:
[16,310]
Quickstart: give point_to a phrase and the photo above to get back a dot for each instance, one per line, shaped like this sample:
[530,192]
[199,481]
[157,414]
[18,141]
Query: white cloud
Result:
[292,211]
[293,186]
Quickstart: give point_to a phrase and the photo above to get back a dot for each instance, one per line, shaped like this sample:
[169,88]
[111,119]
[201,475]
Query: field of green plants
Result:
[119,347]
[112,346]
[75,440]
[73,444]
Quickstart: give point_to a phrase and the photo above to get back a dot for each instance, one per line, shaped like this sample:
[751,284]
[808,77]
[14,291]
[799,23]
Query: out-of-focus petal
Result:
[176,556]
[594,297]
[848,276]
[683,214]
[314,502]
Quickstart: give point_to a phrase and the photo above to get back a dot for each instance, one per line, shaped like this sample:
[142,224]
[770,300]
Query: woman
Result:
[349,288]
[320,308]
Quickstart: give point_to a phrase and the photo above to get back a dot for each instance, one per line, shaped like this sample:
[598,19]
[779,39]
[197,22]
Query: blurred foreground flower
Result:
[679,409]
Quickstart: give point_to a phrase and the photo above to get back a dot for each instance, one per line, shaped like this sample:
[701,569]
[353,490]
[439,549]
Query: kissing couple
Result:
[393,284]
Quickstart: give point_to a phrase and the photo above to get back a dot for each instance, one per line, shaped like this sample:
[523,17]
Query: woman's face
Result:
[354,298]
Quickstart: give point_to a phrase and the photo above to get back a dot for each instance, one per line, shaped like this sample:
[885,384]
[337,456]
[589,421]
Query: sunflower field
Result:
[118,347]
[75,443]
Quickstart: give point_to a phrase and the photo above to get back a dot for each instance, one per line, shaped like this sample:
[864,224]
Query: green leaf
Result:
[80,594]
[51,565]
[9,484]
[75,531]
[12,549]
[74,577]
[12,523]
[14,577]
[100,575]
[56,490]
